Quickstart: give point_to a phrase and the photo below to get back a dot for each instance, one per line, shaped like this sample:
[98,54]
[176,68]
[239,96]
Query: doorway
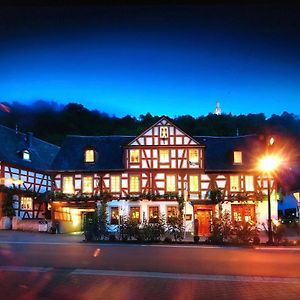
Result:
[204,218]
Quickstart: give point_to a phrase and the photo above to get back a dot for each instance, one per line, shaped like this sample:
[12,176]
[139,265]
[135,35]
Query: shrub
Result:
[196,238]
[168,240]
[244,233]
[153,231]
[112,238]
[175,228]
[129,228]
[221,229]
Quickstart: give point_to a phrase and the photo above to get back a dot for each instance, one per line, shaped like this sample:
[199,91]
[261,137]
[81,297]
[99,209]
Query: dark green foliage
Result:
[102,220]
[221,229]
[90,226]
[129,228]
[95,223]
[175,228]
[224,230]
[216,195]
[7,206]
[244,233]
[51,122]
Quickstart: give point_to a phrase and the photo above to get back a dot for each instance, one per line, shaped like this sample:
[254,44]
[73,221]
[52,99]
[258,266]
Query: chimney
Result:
[29,136]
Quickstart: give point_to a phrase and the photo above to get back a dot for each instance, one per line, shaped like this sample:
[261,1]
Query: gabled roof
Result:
[170,122]
[109,153]
[13,143]
[219,152]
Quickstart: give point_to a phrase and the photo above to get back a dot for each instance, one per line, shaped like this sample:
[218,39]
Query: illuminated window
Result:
[134,213]
[249,184]
[172,211]
[163,132]
[153,214]
[134,155]
[68,185]
[134,184]
[243,213]
[171,183]
[234,183]
[115,184]
[194,183]
[26,155]
[237,157]
[194,156]
[26,203]
[89,156]
[164,155]
[87,184]
[114,215]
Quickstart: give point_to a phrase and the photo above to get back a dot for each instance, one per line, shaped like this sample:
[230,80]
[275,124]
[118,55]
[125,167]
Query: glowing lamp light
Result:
[269,163]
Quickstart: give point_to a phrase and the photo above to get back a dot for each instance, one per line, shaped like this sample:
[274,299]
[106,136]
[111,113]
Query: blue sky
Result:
[170,60]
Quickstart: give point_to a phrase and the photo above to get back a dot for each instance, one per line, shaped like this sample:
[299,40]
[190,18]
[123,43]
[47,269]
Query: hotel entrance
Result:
[203,215]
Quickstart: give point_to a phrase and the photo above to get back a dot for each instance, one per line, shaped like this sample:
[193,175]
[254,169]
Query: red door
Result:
[204,217]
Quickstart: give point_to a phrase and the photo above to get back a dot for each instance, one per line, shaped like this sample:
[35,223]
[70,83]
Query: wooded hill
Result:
[52,122]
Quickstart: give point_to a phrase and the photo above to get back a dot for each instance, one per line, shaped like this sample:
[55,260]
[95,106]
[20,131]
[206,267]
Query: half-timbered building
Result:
[145,175]
[24,161]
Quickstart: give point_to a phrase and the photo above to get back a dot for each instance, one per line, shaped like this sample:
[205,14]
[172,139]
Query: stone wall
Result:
[30,225]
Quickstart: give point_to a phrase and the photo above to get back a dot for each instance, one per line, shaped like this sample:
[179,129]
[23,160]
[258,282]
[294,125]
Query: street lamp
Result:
[268,164]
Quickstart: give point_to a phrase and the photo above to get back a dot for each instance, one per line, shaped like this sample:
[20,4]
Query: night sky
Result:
[170,59]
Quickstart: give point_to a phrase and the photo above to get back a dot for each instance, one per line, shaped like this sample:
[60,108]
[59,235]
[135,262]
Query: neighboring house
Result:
[145,175]
[24,161]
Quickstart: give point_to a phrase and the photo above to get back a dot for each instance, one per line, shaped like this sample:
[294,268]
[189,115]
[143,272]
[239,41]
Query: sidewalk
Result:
[25,236]
[36,237]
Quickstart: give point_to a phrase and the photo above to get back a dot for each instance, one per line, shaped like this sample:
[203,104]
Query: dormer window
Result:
[237,157]
[163,132]
[26,155]
[89,156]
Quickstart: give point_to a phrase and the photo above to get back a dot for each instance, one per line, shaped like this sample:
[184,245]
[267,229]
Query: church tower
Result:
[218,109]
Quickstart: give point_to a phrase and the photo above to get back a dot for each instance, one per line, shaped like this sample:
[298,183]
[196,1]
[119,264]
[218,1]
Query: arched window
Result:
[89,156]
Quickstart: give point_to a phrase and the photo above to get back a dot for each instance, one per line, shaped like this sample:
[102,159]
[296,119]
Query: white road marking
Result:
[278,248]
[24,269]
[185,276]
[161,275]
[39,243]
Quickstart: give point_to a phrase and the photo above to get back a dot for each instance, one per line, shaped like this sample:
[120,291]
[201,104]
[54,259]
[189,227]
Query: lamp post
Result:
[268,165]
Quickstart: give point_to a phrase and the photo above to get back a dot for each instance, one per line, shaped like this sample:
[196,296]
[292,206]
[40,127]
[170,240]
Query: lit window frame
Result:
[134,156]
[136,191]
[84,189]
[237,157]
[132,211]
[89,155]
[155,218]
[113,187]
[194,159]
[64,187]
[246,184]
[193,189]
[170,212]
[115,220]
[26,203]
[168,190]
[231,179]
[164,156]
[164,132]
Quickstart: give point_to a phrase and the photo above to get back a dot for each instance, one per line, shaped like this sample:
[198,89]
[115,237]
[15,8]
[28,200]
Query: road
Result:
[62,268]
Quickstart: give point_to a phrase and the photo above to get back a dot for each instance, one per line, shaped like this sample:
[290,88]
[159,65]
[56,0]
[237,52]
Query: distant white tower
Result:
[218,109]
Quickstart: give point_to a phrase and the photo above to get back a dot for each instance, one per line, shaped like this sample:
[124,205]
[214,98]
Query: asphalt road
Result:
[62,268]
